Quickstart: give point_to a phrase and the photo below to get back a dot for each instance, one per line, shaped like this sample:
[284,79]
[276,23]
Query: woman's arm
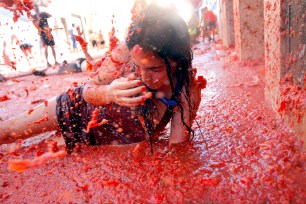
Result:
[109,85]
[105,87]
[178,132]
[123,91]
[41,119]
[79,32]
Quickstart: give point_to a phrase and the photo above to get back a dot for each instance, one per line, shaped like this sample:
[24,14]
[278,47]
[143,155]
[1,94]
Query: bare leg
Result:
[25,52]
[41,46]
[209,33]
[54,54]
[42,119]
[206,33]
[46,55]
[46,52]
[30,52]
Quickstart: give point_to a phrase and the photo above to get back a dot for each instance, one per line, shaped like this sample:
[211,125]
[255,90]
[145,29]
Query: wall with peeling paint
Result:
[285,61]
[273,47]
[249,32]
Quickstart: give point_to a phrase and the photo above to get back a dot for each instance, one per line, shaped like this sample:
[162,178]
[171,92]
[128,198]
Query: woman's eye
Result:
[155,71]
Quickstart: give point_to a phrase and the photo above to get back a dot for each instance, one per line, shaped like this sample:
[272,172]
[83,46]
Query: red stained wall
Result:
[249,32]
[285,61]
[273,47]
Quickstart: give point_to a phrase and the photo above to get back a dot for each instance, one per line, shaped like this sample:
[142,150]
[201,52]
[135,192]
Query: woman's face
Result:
[151,68]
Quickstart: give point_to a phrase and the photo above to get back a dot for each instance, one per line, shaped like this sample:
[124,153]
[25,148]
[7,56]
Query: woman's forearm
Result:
[97,95]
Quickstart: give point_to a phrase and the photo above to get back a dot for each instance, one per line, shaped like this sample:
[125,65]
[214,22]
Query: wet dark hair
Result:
[164,32]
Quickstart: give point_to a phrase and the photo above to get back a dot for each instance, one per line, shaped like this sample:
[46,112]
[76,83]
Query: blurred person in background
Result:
[72,33]
[93,40]
[208,24]
[25,47]
[101,40]
[41,22]
[193,28]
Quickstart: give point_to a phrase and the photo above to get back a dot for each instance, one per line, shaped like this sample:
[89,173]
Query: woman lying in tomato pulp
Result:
[141,86]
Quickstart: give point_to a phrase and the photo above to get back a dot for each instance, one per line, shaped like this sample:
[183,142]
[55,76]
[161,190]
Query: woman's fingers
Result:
[129,97]
[124,83]
[132,92]
[134,101]
[131,101]
[128,91]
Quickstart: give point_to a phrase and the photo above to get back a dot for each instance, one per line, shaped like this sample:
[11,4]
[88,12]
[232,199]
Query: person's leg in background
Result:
[212,28]
[27,51]
[54,55]
[46,55]
[41,47]
[206,31]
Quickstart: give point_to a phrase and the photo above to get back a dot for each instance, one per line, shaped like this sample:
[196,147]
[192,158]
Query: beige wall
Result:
[285,61]
[273,47]
[226,23]
[249,29]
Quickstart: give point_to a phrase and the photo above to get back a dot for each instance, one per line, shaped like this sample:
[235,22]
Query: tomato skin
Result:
[39,153]
[209,182]
[94,120]
[30,111]
[201,82]
[4,98]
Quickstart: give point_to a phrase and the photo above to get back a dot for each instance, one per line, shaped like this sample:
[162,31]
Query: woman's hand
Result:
[128,92]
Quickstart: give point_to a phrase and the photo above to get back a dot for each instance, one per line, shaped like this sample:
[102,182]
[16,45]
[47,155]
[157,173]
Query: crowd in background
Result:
[202,26]
[31,50]
[42,41]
